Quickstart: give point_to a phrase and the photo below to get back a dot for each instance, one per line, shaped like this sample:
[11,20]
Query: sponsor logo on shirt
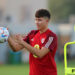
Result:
[37,47]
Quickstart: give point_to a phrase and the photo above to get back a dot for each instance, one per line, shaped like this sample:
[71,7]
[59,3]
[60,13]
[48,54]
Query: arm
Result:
[50,45]
[40,53]
[14,45]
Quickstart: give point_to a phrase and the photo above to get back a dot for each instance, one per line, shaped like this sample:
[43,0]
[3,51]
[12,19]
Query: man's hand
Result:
[14,44]
[19,38]
[40,53]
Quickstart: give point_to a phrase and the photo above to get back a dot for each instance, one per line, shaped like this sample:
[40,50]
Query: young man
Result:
[42,45]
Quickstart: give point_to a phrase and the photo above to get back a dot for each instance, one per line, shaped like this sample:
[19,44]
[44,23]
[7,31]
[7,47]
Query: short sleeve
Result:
[51,43]
[26,38]
[30,35]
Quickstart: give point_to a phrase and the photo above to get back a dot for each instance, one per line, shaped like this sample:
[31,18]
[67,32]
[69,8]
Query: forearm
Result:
[13,44]
[31,49]
[40,53]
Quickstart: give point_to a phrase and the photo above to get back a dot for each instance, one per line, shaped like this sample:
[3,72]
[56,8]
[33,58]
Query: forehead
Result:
[40,18]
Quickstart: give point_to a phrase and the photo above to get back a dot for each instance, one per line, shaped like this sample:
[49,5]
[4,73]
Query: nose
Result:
[36,21]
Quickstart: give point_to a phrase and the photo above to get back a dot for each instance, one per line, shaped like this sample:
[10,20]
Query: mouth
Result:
[37,26]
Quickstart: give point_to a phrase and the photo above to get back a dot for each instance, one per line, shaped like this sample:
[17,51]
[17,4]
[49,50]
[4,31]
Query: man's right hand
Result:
[13,43]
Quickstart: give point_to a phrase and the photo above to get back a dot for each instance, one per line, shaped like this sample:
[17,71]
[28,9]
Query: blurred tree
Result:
[61,9]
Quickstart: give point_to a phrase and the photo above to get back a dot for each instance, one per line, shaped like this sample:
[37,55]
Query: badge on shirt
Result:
[42,40]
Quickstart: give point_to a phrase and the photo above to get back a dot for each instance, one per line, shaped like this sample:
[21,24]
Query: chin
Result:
[38,28]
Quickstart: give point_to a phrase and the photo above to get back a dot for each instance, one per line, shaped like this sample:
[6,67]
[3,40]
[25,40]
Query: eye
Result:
[35,19]
[39,19]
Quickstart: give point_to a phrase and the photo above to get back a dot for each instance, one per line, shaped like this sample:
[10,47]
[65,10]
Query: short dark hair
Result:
[43,13]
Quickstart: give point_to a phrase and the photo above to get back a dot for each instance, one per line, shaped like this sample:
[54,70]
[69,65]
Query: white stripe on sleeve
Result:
[49,42]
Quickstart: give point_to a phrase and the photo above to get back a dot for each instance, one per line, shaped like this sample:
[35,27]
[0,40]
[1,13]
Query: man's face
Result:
[41,23]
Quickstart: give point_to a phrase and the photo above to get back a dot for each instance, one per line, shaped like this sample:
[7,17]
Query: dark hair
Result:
[43,13]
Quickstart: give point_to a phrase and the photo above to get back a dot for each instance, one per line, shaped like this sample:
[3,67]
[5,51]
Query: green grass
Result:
[14,69]
[60,68]
[24,69]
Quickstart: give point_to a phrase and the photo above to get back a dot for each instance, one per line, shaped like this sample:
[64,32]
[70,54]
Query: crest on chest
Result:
[42,40]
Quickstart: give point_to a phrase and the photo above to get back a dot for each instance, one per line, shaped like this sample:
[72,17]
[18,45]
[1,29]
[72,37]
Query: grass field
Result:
[24,69]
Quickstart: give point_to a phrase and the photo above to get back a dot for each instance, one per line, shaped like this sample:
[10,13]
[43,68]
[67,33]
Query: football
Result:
[4,33]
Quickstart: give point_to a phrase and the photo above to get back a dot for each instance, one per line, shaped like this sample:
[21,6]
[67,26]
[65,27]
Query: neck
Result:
[43,30]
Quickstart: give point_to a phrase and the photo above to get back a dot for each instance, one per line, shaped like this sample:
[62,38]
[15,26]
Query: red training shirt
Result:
[45,65]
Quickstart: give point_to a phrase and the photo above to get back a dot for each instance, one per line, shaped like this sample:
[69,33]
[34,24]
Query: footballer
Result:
[41,43]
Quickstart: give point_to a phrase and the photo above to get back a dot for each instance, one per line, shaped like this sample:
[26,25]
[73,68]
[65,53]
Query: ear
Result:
[47,20]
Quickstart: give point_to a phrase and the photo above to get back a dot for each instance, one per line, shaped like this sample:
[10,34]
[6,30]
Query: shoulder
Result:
[33,31]
[52,34]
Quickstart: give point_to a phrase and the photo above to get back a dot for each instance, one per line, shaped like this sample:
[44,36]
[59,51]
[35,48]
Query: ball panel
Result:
[4,33]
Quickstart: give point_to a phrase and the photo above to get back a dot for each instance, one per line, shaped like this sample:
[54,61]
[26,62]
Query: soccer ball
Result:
[4,33]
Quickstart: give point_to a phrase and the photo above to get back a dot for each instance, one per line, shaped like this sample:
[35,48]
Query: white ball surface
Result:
[4,34]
